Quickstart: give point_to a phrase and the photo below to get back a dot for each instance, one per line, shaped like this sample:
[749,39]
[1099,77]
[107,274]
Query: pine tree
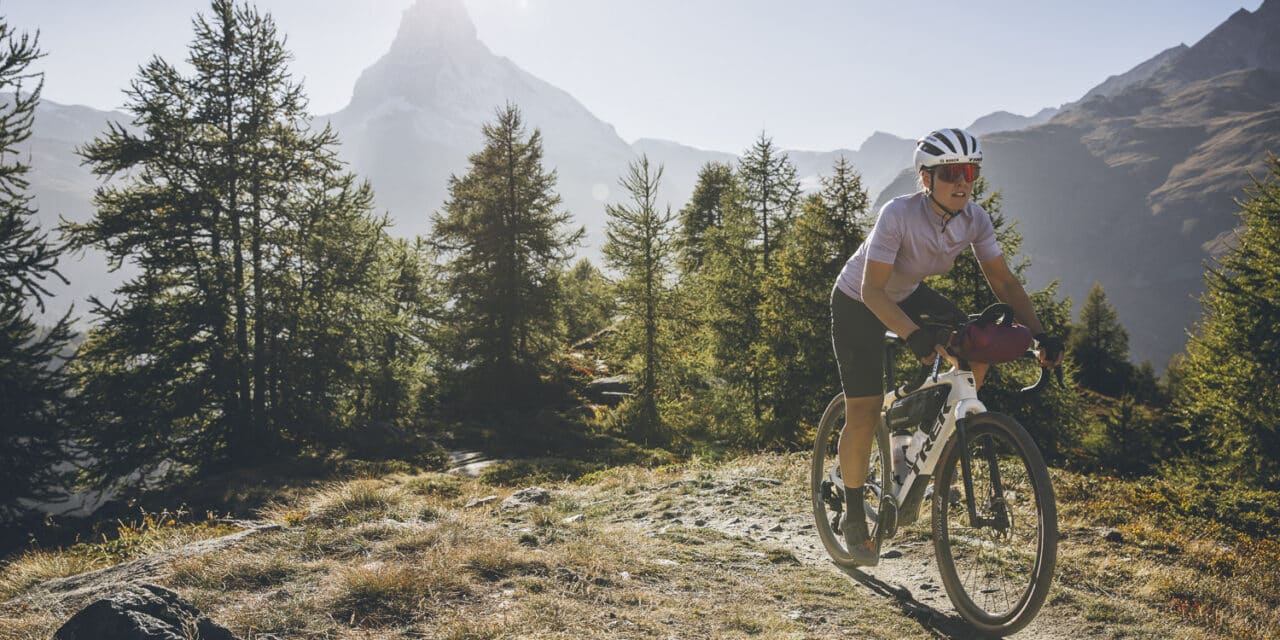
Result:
[704,211]
[256,258]
[32,385]
[799,370]
[772,191]
[727,293]
[641,249]
[1100,346]
[503,242]
[846,202]
[589,303]
[1226,396]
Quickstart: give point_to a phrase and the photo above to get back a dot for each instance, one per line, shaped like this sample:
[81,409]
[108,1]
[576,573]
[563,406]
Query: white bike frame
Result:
[926,442]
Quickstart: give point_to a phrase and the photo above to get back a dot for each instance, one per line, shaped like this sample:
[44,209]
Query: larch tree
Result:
[256,258]
[771,190]
[1099,345]
[641,248]
[704,211]
[503,242]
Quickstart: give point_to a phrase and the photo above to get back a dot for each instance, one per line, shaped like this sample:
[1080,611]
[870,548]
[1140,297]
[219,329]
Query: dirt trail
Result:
[771,511]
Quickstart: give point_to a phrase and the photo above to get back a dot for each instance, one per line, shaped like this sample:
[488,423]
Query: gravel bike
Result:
[995,524]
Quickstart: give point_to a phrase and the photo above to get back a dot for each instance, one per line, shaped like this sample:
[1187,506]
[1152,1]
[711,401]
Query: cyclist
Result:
[880,287]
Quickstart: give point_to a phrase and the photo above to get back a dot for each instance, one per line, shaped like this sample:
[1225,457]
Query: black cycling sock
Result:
[857,514]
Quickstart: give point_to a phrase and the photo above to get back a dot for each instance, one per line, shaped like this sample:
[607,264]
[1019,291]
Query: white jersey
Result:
[913,238]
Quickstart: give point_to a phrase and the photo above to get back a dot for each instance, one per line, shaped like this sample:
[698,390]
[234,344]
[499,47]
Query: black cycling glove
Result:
[923,340]
[1052,346]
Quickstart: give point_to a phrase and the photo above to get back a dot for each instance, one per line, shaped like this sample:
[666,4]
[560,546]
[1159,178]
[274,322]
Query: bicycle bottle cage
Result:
[992,337]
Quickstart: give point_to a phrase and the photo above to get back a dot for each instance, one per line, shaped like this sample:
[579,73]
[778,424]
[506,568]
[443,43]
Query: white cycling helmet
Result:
[947,146]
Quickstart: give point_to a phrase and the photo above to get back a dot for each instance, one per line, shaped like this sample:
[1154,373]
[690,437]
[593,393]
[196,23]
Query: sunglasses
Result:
[954,172]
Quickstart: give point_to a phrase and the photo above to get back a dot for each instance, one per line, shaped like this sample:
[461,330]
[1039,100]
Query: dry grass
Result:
[1175,564]
[35,567]
[235,570]
[354,502]
[380,594]
[34,625]
[350,569]
[435,484]
[401,556]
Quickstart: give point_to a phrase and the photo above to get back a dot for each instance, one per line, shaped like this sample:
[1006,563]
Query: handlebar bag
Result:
[992,337]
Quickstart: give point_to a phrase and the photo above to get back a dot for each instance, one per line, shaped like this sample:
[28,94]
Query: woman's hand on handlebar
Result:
[928,342]
[1050,350]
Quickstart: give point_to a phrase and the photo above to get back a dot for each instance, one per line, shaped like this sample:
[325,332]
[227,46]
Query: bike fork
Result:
[1000,519]
[966,471]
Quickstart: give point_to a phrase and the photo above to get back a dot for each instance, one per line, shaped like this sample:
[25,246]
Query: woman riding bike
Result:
[915,236]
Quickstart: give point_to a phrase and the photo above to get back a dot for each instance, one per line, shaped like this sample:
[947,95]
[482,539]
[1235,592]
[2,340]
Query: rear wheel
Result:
[996,563]
[827,483]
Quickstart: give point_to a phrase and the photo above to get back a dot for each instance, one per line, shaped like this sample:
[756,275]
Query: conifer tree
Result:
[257,264]
[641,249]
[32,385]
[1226,395]
[1100,346]
[727,293]
[704,211]
[772,191]
[589,303]
[847,202]
[799,369]
[503,241]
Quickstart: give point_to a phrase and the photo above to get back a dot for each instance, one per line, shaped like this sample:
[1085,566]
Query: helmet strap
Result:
[949,213]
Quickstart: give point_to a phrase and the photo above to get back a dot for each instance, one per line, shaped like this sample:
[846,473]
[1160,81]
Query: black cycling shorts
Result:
[858,336]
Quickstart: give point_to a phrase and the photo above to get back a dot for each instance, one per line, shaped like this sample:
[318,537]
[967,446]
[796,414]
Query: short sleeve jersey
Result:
[916,241]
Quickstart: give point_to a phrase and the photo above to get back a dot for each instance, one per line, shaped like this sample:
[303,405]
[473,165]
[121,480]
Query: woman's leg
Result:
[860,417]
[854,452]
[858,338]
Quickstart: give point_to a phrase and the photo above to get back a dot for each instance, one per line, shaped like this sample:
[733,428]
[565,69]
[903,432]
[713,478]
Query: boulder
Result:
[144,612]
[526,497]
[611,390]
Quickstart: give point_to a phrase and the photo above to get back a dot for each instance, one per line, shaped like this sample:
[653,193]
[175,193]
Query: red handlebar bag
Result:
[993,337]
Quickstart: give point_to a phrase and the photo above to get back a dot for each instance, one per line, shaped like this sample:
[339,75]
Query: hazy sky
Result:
[814,74]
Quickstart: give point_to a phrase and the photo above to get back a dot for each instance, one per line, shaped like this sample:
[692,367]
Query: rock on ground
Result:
[145,612]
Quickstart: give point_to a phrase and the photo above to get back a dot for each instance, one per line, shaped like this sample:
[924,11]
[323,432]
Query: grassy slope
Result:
[402,556]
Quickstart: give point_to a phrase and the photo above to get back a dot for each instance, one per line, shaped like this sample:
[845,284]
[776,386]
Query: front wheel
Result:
[827,482]
[996,559]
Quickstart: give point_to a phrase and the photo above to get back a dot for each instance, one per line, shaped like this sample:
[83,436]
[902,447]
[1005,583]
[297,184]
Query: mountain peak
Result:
[435,46]
[429,26]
